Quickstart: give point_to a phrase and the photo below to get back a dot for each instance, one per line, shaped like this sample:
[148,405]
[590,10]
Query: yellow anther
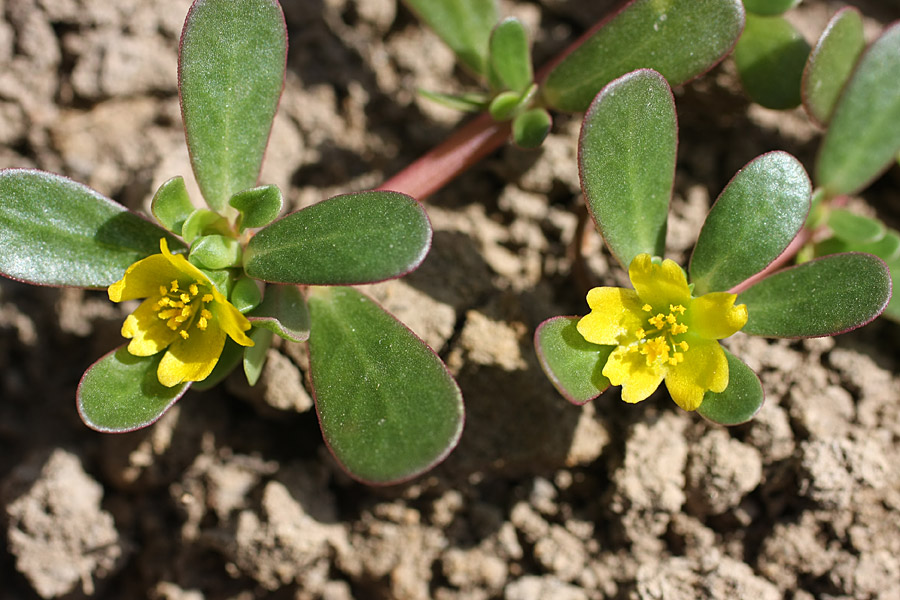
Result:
[185,297]
[684,346]
[169,313]
[207,298]
[162,290]
[194,289]
[184,334]
[677,308]
[186,311]
[640,333]
[655,349]
[679,328]
[646,308]
[205,314]
[659,321]
[670,319]
[202,323]
[678,357]
[174,286]
[163,302]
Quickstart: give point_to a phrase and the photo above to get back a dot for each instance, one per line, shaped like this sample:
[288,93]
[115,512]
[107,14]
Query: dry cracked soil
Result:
[232,495]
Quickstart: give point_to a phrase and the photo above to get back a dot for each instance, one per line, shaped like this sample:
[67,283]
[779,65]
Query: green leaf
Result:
[121,392]
[471,102]
[852,227]
[504,105]
[54,231]
[831,62]
[530,129]
[863,137]
[573,365]
[245,295]
[892,311]
[825,296]
[353,238]
[258,206]
[464,25]
[626,158]
[741,400]
[255,355]
[284,312]
[754,219]
[204,222]
[230,74]
[769,7]
[215,252]
[679,38]
[171,205]
[510,56]
[388,407]
[770,57]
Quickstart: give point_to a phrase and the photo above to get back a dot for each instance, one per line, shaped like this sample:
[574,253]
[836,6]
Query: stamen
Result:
[185,297]
[679,328]
[677,308]
[184,334]
[646,308]
[640,333]
[207,298]
[659,321]
[162,290]
[684,346]
[194,289]
[174,286]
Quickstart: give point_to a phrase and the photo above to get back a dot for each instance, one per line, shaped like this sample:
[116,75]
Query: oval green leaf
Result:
[215,252]
[230,75]
[770,57]
[510,56]
[825,296]
[863,137]
[171,204]
[626,159]
[892,311]
[283,311]
[530,129]
[754,219]
[679,38]
[855,228]
[258,206]
[255,355]
[388,407]
[572,364]
[769,7]
[54,231]
[741,400]
[464,25]
[121,392]
[831,62]
[353,238]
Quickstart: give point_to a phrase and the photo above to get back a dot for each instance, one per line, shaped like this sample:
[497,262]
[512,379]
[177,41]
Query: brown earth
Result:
[232,495]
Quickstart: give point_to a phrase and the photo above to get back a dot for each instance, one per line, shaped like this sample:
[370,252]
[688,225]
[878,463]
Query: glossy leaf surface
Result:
[530,128]
[769,7]
[831,62]
[283,311]
[510,56]
[770,57]
[863,137]
[354,238]
[754,219]
[741,400]
[258,206]
[230,73]
[626,158]
[388,407]
[171,204]
[464,25]
[121,392]
[54,231]
[679,38]
[572,364]
[825,296]
[215,252]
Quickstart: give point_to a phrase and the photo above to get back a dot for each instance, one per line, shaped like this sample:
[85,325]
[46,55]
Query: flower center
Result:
[657,343]
[181,308]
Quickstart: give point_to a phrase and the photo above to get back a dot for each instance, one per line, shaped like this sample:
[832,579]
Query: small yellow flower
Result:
[662,333]
[183,314]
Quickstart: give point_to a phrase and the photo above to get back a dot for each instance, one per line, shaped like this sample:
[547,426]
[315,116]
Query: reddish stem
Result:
[464,148]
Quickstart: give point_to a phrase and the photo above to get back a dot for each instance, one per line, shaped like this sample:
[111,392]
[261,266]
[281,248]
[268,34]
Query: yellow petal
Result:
[185,269]
[714,316]
[192,359]
[629,369]
[659,285]
[705,368]
[143,278]
[147,331]
[231,321]
[614,317]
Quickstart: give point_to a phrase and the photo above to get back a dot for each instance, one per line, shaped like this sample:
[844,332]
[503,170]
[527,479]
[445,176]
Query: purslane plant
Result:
[668,326]
[217,283]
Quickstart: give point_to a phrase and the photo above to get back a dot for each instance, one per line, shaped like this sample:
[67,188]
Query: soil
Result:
[232,494]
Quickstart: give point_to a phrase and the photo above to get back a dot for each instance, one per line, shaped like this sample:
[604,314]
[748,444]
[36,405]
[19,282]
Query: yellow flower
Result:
[183,314]
[661,332]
